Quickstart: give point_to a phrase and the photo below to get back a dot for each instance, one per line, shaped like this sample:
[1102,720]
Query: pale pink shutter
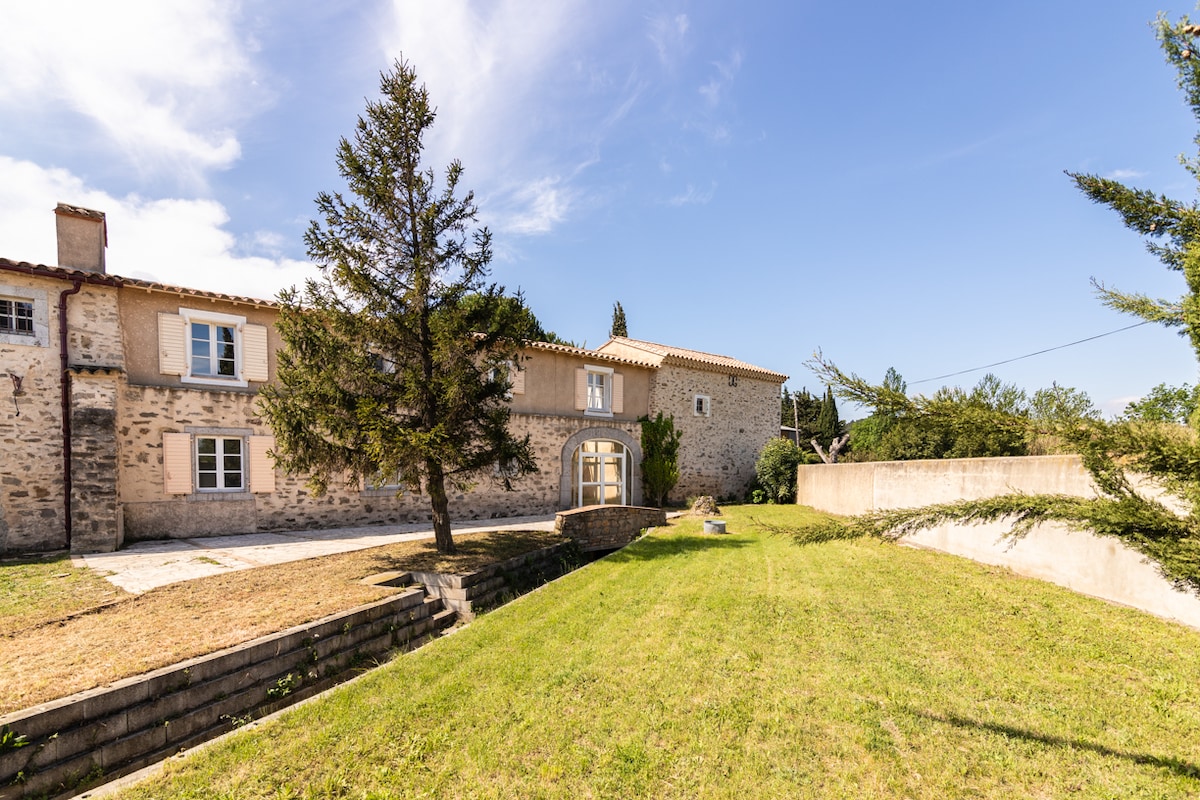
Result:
[177,463]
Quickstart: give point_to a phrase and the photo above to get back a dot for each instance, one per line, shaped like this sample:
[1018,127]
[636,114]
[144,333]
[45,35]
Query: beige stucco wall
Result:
[550,384]
[717,453]
[139,310]
[1098,566]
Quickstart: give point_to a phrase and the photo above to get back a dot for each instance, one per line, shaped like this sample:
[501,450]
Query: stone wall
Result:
[145,413]
[717,452]
[31,498]
[606,527]
[96,519]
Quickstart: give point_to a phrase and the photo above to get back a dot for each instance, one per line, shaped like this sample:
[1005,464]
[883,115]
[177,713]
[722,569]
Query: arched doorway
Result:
[600,466]
[600,475]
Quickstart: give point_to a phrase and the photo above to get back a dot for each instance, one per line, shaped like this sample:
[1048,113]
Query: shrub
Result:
[776,469]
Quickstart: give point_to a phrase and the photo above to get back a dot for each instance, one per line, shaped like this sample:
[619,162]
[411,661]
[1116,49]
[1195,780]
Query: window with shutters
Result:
[207,347]
[702,406]
[599,391]
[215,461]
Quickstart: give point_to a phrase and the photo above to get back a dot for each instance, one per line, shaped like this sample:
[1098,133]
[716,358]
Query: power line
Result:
[1031,355]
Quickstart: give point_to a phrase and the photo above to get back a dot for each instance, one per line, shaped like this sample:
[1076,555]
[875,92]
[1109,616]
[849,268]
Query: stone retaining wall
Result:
[468,594]
[607,527]
[108,732]
[111,731]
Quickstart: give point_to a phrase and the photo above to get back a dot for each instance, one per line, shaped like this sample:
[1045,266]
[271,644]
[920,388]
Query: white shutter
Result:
[580,389]
[262,466]
[177,463]
[618,393]
[254,353]
[517,376]
[172,344]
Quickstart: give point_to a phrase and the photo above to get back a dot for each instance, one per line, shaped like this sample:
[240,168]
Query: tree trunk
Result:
[834,448]
[441,508]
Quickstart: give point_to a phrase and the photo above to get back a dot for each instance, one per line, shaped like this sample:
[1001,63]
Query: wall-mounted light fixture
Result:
[17,391]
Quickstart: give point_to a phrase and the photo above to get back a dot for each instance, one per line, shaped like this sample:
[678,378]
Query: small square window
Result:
[702,406]
[16,316]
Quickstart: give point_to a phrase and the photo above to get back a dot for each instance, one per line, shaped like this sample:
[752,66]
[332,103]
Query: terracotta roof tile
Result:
[666,354]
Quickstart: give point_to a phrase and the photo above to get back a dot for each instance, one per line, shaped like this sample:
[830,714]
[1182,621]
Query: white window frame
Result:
[702,406]
[212,318]
[220,470]
[601,459]
[605,377]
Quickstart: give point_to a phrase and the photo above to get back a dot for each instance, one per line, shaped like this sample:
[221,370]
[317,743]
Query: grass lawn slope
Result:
[691,665]
[65,629]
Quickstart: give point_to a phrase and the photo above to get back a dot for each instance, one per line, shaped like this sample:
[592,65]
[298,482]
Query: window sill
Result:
[606,414]
[219,497]
[204,381]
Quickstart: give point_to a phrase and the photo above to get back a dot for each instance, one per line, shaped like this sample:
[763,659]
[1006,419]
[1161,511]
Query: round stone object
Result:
[714,526]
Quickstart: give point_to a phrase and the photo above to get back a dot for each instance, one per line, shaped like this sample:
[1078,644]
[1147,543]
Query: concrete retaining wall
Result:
[606,527]
[1098,566]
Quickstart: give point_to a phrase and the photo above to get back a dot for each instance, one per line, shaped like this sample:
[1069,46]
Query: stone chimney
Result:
[82,237]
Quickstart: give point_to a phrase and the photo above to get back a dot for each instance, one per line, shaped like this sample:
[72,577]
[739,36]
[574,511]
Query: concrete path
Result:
[144,565]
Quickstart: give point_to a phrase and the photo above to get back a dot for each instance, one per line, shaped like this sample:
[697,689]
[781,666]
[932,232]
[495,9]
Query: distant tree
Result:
[618,322]
[829,438]
[1165,403]
[392,360]
[799,410]
[660,458]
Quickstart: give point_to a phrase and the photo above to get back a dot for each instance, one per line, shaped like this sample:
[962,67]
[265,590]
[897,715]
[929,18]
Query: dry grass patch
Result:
[38,589]
[57,655]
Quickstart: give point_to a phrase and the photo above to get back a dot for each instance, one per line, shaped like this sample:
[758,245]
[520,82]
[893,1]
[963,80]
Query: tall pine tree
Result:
[395,361]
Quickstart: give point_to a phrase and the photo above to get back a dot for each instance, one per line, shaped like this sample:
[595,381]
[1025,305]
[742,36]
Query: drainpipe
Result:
[65,381]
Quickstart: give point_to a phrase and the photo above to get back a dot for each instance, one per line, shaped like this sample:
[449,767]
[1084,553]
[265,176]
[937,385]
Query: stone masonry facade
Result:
[140,414]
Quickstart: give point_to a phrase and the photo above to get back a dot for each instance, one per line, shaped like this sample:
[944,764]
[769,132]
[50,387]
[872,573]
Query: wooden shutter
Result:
[262,466]
[580,389]
[254,353]
[618,393]
[517,376]
[172,344]
[177,463]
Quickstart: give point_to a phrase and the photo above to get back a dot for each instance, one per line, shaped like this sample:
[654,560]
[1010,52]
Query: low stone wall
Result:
[607,527]
[1094,565]
[111,731]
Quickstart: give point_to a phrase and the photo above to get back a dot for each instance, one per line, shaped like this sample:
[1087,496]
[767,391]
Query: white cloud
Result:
[713,90]
[1125,174]
[179,242]
[536,208]
[164,83]
[669,35]
[693,197]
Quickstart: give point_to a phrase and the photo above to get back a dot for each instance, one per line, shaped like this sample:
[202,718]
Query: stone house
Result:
[132,415]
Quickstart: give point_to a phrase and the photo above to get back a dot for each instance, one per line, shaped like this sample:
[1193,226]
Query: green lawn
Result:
[746,666]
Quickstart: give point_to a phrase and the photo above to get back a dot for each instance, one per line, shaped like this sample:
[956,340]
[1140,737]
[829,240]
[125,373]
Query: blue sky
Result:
[882,181]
